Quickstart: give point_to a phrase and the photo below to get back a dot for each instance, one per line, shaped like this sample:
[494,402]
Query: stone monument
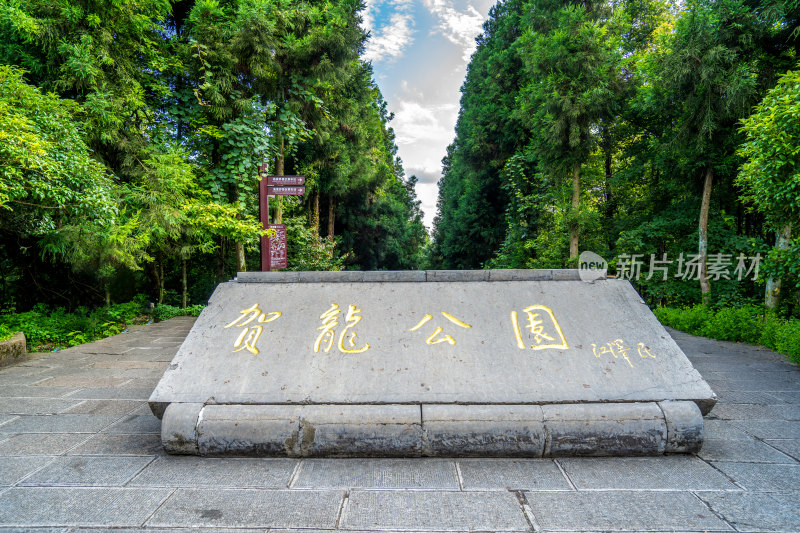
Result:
[429,363]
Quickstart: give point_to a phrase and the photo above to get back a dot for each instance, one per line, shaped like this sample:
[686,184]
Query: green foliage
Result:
[49,329]
[135,166]
[163,312]
[5,332]
[749,324]
[48,178]
[770,176]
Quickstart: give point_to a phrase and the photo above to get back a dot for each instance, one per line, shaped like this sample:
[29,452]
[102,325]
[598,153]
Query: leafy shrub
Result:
[165,312]
[5,332]
[47,329]
[750,324]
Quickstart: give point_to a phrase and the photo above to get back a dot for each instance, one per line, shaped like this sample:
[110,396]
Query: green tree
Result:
[770,176]
[710,73]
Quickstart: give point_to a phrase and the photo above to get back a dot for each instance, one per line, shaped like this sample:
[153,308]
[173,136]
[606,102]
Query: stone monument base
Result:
[638,428]
[479,363]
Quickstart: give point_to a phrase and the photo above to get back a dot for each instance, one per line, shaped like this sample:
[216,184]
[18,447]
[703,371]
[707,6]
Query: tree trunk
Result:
[772,292]
[160,278]
[610,206]
[183,283]
[330,216]
[220,260]
[241,266]
[705,286]
[157,279]
[279,171]
[315,219]
[576,198]
[108,296]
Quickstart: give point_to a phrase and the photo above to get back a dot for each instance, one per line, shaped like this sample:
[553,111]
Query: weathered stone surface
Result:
[248,430]
[13,350]
[483,430]
[604,429]
[347,430]
[684,426]
[470,363]
[179,428]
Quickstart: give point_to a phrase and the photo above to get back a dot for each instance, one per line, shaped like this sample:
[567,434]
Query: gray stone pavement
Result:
[80,451]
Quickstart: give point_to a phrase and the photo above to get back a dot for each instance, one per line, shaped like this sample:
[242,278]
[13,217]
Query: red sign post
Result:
[273,251]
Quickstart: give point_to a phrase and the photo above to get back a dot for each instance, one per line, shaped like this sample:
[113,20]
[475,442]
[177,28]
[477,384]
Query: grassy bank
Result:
[748,324]
[52,329]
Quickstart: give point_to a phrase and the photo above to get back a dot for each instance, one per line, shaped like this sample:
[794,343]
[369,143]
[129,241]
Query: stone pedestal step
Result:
[639,428]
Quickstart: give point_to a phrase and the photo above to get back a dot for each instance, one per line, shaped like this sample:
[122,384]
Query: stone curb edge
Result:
[409,276]
[554,430]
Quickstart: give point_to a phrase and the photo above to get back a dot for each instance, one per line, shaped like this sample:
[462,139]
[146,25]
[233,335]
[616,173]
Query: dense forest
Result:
[661,136]
[131,132]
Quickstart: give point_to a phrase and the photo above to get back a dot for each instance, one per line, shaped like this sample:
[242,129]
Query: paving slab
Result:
[177,530]
[59,424]
[787,396]
[724,429]
[762,477]
[748,397]
[122,393]
[135,424]
[757,512]
[512,474]
[40,443]
[13,469]
[25,391]
[377,473]
[249,508]
[737,411]
[433,511]
[769,429]
[664,473]
[217,472]
[104,407]
[124,444]
[82,381]
[790,447]
[622,511]
[34,406]
[742,450]
[73,506]
[88,471]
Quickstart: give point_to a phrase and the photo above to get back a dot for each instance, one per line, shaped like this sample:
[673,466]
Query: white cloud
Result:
[390,39]
[414,122]
[459,27]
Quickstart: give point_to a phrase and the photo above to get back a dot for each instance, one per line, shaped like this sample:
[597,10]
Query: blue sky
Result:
[419,51]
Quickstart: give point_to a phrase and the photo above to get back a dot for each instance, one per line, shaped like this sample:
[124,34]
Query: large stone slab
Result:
[429,363]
